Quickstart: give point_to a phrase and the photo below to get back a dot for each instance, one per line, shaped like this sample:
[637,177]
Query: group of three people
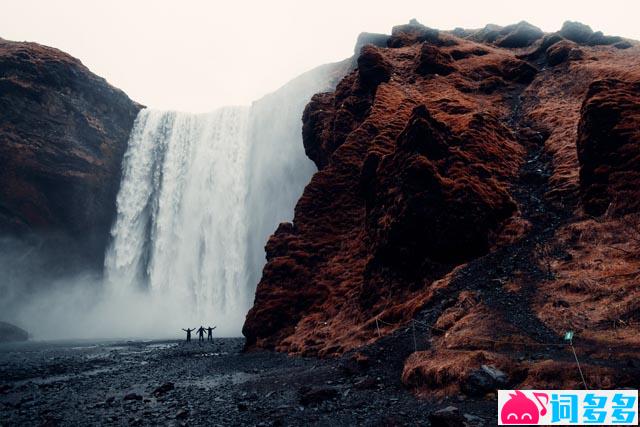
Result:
[200,333]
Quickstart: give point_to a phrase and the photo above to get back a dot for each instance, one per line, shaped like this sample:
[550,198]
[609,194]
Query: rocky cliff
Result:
[451,224]
[63,132]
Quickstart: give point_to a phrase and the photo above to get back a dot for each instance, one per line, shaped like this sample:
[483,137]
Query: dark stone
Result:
[182,414]
[315,395]
[366,383]
[484,380]
[132,396]
[447,417]
[164,388]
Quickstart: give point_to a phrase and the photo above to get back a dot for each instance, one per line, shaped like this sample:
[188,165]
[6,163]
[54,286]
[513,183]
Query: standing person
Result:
[209,333]
[201,334]
[188,331]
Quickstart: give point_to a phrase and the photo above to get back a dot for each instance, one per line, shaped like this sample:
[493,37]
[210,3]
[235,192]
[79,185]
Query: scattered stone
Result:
[164,388]
[472,420]
[132,396]
[447,417]
[182,414]
[366,383]
[315,395]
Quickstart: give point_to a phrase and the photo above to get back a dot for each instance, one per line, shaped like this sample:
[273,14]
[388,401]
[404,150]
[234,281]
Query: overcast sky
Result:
[199,55]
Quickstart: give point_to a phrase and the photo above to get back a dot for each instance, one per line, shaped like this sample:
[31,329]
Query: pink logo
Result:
[519,409]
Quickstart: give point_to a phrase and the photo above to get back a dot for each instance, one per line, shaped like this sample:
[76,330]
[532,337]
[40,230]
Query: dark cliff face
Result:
[456,174]
[63,132]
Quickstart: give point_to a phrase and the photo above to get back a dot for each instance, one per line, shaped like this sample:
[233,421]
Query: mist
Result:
[199,196]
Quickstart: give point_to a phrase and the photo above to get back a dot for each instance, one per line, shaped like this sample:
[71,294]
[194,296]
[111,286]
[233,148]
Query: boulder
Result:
[484,380]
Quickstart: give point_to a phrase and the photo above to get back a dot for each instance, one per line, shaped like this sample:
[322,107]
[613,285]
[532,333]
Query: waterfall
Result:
[199,196]
[181,226]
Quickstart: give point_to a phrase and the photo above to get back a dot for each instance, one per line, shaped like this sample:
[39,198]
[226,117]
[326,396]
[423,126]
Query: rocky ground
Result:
[173,383]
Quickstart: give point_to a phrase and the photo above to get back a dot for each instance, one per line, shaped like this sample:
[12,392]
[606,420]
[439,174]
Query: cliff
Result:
[63,132]
[459,173]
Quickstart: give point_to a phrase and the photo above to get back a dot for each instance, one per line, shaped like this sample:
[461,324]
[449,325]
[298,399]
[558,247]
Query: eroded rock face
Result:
[609,147]
[413,180]
[63,132]
[456,199]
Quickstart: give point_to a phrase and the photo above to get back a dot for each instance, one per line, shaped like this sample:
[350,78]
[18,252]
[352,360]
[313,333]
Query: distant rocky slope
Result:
[480,186]
[63,132]
[10,333]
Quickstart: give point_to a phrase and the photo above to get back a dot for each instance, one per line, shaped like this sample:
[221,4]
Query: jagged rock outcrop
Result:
[63,132]
[454,170]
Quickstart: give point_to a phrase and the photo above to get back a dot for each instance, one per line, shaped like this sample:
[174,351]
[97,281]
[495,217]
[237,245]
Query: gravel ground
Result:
[174,383]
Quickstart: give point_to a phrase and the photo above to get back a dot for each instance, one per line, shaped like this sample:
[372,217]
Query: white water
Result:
[181,227]
[199,196]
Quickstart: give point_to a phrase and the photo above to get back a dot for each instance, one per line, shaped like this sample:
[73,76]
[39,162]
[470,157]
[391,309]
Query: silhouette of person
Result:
[209,331]
[201,334]
[188,331]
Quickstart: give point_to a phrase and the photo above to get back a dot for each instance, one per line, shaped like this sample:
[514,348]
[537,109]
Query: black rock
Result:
[315,395]
[132,396]
[447,417]
[484,380]
[164,388]
[182,414]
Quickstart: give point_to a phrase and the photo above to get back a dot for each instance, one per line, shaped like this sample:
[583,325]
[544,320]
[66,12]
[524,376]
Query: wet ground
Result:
[173,383]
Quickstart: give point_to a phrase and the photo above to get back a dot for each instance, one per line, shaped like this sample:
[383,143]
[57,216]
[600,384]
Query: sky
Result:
[196,55]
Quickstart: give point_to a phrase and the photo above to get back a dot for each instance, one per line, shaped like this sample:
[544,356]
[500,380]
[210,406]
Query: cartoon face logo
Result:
[519,409]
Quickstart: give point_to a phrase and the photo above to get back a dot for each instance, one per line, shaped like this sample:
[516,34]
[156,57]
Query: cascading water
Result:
[181,225]
[199,196]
